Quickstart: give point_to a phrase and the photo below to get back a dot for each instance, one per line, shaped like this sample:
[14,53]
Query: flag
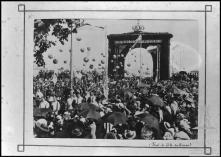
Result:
[136,41]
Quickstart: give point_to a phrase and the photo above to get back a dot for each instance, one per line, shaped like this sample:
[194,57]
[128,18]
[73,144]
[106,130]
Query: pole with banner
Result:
[106,64]
[71,59]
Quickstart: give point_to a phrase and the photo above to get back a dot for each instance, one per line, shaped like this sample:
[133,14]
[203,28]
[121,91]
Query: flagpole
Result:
[106,64]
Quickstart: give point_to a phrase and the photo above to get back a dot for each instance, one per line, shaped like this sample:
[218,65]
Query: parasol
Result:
[156,101]
[150,120]
[117,118]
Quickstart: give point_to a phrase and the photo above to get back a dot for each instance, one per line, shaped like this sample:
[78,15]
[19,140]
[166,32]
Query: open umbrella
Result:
[117,118]
[87,106]
[156,101]
[93,115]
[150,120]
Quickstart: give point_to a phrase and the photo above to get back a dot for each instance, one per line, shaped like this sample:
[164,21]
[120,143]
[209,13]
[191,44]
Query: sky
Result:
[183,48]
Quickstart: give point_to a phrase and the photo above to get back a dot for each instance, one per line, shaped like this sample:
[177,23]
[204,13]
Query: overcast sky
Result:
[184,43]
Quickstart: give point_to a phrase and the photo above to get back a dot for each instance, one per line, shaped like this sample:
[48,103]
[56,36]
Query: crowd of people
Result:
[134,108]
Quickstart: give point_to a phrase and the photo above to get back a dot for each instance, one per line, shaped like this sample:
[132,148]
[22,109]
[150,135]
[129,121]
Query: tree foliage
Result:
[59,28]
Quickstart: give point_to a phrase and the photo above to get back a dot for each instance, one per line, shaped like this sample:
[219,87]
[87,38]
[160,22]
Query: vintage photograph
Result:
[118,79]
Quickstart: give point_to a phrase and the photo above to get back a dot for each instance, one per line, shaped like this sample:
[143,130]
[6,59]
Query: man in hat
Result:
[129,134]
[70,100]
[44,103]
[55,105]
[148,133]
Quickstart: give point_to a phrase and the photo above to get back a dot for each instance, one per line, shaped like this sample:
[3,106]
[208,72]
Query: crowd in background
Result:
[134,109]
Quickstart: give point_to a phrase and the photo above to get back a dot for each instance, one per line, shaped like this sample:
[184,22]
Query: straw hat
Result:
[130,134]
[42,125]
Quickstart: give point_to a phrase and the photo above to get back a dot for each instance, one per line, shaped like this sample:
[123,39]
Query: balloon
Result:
[112,61]
[128,65]
[99,64]
[78,39]
[93,60]
[86,59]
[82,50]
[114,56]
[65,62]
[117,67]
[60,50]
[91,66]
[55,61]
[102,61]
[122,55]
[50,56]
[88,48]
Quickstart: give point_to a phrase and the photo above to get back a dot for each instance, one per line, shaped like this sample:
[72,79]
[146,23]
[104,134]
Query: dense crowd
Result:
[134,109]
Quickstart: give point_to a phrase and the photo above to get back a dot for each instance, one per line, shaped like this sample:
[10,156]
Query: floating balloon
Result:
[65,62]
[122,55]
[102,61]
[82,50]
[91,66]
[88,48]
[114,56]
[50,56]
[99,64]
[112,61]
[86,59]
[60,50]
[55,61]
[93,60]
[78,39]
[128,65]
[117,67]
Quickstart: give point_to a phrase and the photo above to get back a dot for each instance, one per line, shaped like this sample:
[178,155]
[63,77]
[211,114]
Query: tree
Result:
[60,28]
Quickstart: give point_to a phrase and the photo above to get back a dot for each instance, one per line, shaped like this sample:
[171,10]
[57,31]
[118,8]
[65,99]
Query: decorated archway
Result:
[121,44]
